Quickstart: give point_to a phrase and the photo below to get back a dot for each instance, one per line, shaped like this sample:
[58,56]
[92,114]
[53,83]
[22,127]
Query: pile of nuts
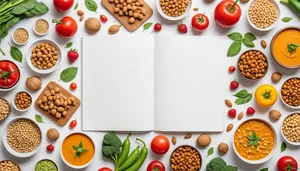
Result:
[263,13]
[8,166]
[253,64]
[44,56]
[291,128]
[174,8]
[24,136]
[290,92]
[4,109]
[23,100]
[56,103]
[134,9]
[185,158]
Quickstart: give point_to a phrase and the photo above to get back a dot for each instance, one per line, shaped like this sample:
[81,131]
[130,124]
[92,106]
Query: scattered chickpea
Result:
[23,100]
[185,158]
[291,127]
[290,92]
[44,56]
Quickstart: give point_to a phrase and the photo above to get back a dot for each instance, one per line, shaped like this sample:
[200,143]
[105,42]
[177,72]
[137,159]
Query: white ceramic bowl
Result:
[14,104]
[13,152]
[267,157]
[270,27]
[70,165]
[47,160]
[33,26]
[28,56]
[12,36]
[160,11]
[290,142]
[8,89]
[292,107]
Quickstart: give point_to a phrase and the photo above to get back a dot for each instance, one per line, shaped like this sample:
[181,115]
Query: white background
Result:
[168,29]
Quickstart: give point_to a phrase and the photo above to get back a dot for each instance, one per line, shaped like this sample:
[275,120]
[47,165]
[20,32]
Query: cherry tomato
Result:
[73,86]
[227,13]
[182,28]
[231,69]
[73,123]
[157,27]
[156,166]
[103,18]
[66,27]
[50,148]
[160,144]
[63,5]
[287,163]
[200,22]
[104,169]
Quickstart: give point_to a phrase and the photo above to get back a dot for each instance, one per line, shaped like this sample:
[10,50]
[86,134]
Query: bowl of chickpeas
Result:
[290,128]
[185,157]
[9,165]
[44,56]
[290,92]
[22,101]
[173,10]
[253,65]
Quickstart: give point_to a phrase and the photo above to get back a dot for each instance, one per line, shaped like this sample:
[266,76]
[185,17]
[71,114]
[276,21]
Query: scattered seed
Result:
[240,116]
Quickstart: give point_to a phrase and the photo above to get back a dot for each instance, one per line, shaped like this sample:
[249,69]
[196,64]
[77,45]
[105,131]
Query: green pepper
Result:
[134,155]
[295,4]
[144,152]
[125,151]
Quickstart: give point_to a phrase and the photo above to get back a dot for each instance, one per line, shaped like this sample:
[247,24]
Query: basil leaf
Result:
[76,6]
[242,94]
[283,147]
[286,19]
[91,5]
[249,36]
[234,48]
[39,118]
[147,26]
[248,43]
[69,45]
[68,74]
[240,101]
[16,54]
[264,169]
[230,168]
[235,36]
[210,151]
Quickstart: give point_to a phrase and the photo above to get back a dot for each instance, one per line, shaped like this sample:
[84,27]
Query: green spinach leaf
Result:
[68,74]
[248,43]
[286,19]
[39,118]
[230,168]
[69,45]
[264,169]
[243,97]
[235,36]
[283,147]
[16,54]
[147,26]
[91,5]
[76,6]
[210,151]
[234,48]
[21,9]
[242,94]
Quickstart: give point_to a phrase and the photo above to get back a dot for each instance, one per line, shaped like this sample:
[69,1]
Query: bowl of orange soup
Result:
[255,141]
[285,47]
[77,150]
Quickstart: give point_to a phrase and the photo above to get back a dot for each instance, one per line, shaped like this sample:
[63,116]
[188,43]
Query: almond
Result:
[240,116]
[263,44]
[174,140]
[81,17]
[196,9]
[80,13]
[229,127]
[187,136]
[228,103]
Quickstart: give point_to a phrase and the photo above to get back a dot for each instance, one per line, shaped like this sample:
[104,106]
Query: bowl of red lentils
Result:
[5,109]
[290,92]
[263,15]
[22,101]
[8,165]
[290,128]
[185,157]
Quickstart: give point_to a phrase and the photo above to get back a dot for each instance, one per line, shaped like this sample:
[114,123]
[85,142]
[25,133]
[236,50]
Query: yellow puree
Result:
[280,50]
[68,151]
[265,145]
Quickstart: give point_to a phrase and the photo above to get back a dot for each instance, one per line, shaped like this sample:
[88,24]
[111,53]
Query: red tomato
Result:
[66,27]
[73,123]
[200,22]
[9,73]
[160,144]
[73,86]
[182,28]
[227,13]
[287,163]
[231,69]
[156,166]
[63,5]
[103,18]
[104,169]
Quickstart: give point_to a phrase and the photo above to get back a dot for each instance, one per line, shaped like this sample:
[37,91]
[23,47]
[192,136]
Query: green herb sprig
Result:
[147,26]
[292,47]
[286,19]
[253,139]
[238,39]
[243,97]
[79,150]
[91,5]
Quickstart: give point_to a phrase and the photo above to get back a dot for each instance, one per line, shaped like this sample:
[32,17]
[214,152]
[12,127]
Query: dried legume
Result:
[4,109]
[8,166]
[21,35]
[23,100]
[44,56]
[290,92]
[174,8]
[185,158]
[291,128]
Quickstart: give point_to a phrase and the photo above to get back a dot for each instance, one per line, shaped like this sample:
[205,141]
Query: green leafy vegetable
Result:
[264,169]
[68,74]
[243,97]
[253,139]
[147,26]
[292,47]
[69,45]
[238,39]
[16,54]
[111,147]
[248,43]
[283,147]
[234,48]
[218,164]
[39,118]
[210,151]
[230,168]
[79,150]
[91,5]
[249,36]
[286,19]
[23,8]
[235,36]
[76,6]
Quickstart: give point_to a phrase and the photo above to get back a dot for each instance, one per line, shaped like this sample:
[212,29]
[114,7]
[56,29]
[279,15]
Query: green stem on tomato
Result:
[201,18]
[284,1]
[231,8]
[56,21]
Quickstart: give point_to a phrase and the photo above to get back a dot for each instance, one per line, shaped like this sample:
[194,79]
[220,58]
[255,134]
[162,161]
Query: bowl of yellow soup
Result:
[255,141]
[285,47]
[77,150]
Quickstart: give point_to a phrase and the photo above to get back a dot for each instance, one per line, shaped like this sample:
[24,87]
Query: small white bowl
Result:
[48,71]
[270,27]
[13,152]
[70,165]
[13,38]
[38,32]
[14,104]
[46,160]
[285,139]
[161,12]
[292,107]
[8,89]
[267,157]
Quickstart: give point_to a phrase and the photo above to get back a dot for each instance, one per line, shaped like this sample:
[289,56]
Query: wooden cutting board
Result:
[124,19]
[64,119]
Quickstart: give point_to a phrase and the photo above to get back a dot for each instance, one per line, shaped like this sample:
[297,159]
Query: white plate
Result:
[160,11]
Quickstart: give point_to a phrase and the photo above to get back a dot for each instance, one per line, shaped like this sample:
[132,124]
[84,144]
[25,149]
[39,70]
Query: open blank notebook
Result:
[145,83]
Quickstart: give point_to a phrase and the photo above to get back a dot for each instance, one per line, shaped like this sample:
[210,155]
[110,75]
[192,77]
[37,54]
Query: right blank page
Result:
[189,83]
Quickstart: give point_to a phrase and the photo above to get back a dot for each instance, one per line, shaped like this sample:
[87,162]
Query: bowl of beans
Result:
[22,101]
[44,56]
[290,128]
[185,157]
[20,36]
[41,27]
[253,65]
[173,10]
[22,137]
[8,165]
[263,14]
[290,92]
[5,109]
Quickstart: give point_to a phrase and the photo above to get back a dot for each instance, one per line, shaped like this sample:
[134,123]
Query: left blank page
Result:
[117,80]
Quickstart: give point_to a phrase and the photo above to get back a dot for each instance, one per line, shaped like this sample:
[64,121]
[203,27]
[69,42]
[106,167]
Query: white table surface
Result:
[206,6]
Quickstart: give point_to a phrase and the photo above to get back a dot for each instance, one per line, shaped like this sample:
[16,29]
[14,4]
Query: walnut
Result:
[223,148]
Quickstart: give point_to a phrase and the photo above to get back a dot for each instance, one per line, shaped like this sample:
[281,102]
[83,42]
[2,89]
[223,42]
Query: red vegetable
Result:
[227,13]
[232,113]
[73,55]
[234,85]
[157,27]
[160,144]
[73,123]
[103,18]
[231,69]
[200,22]
[104,169]
[9,73]
[182,28]
[66,27]
[156,166]
[50,148]
[287,163]
[63,5]
[73,86]
[250,111]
